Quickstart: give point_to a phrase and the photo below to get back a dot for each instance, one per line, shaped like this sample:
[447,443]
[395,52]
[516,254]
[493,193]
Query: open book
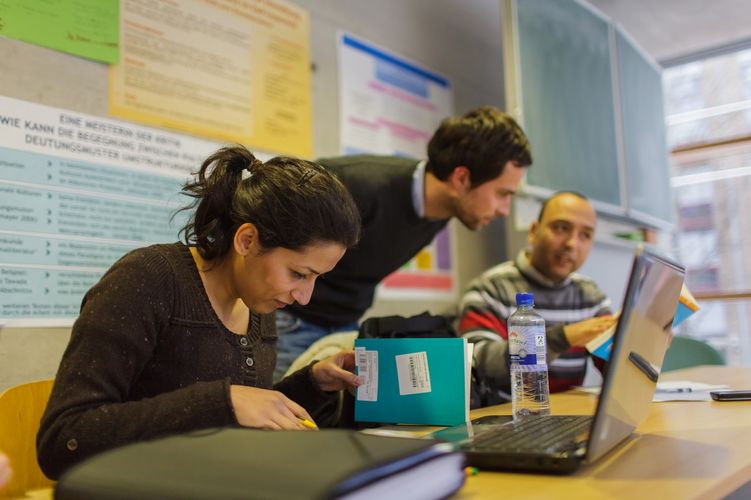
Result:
[601,345]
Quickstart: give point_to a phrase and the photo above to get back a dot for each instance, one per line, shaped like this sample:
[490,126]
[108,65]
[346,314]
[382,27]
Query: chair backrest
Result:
[685,352]
[21,409]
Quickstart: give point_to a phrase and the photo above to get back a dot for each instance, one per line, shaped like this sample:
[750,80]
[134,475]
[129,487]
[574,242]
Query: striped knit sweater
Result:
[490,300]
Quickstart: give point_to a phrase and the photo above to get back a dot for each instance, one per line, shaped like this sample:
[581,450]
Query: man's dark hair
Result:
[483,140]
[292,202]
[556,195]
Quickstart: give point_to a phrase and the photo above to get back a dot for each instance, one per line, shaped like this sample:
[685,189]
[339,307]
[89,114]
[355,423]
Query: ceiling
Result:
[672,30]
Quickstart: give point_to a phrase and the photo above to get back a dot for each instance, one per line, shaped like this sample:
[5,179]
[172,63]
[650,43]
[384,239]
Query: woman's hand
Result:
[578,334]
[266,409]
[336,372]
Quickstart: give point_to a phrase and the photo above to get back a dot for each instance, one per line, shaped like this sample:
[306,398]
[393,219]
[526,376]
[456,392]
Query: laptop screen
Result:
[639,344]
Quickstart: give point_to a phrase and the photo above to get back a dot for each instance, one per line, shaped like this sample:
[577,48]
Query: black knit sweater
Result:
[392,233]
[148,356]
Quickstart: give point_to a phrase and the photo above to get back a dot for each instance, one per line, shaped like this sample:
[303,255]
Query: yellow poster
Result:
[232,70]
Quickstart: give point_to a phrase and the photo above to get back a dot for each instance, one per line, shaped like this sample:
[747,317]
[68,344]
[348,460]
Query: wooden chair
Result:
[21,410]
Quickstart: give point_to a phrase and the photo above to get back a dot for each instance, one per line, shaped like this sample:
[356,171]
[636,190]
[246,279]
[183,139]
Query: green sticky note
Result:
[85,28]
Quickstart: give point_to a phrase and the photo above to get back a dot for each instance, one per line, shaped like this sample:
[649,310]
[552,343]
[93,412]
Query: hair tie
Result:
[252,166]
[246,168]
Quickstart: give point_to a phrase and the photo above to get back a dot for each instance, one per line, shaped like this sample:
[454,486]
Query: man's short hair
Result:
[556,195]
[483,140]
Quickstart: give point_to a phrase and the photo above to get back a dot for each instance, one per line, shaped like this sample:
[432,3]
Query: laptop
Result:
[561,444]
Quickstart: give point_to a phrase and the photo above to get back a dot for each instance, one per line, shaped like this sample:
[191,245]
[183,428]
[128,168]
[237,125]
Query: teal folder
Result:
[422,381]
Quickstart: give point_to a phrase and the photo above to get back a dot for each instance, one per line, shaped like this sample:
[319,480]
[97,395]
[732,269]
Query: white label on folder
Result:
[413,374]
[367,370]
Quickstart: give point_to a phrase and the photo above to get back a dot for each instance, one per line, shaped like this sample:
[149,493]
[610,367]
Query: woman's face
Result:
[270,280]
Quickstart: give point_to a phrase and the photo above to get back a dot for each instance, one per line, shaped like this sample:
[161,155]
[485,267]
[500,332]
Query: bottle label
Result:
[527,345]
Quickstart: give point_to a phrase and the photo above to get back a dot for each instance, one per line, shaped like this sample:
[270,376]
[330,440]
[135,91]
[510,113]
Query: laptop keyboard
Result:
[534,433]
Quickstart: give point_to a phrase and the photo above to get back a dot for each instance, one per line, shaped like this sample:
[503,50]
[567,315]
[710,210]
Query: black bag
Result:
[420,325]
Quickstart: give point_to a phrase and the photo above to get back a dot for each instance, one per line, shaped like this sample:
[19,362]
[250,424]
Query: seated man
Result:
[574,308]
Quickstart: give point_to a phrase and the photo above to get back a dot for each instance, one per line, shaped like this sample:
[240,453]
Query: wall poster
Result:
[390,105]
[76,193]
[231,70]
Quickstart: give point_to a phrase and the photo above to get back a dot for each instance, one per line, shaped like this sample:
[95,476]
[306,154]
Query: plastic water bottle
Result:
[530,394]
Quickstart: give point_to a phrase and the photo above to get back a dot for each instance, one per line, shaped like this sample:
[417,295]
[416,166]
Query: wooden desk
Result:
[691,449]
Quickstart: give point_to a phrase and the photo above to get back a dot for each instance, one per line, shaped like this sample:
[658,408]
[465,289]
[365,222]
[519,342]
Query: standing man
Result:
[574,308]
[475,163]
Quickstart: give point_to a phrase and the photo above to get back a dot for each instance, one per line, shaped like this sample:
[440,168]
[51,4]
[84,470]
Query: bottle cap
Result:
[525,299]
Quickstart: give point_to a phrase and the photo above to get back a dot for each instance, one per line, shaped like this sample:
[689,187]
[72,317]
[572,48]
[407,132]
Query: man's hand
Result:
[336,372]
[578,334]
[266,409]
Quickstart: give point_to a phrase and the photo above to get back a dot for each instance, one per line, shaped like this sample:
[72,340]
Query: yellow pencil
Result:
[307,423]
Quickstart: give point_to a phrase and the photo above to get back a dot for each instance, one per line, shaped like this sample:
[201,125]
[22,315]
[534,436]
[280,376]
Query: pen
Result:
[307,423]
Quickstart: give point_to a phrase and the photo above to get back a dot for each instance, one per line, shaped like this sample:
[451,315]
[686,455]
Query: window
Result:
[708,108]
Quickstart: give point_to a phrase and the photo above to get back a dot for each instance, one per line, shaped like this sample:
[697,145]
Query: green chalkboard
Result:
[643,125]
[567,96]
